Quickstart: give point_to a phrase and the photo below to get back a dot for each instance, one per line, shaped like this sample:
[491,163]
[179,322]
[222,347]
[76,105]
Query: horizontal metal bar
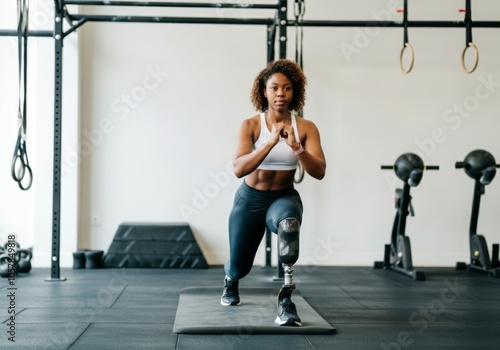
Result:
[190,20]
[329,23]
[252,21]
[455,24]
[270,21]
[172,4]
[415,24]
[485,24]
[37,33]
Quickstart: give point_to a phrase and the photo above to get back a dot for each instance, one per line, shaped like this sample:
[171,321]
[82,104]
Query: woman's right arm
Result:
[246,158]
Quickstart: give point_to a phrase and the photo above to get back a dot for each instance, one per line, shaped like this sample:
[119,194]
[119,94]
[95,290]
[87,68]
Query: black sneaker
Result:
[287,314]
[230,296]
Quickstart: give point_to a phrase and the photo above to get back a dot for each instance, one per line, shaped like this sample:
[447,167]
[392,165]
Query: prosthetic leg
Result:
[288,253]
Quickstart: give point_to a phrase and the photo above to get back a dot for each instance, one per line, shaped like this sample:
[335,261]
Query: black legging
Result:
[252,211]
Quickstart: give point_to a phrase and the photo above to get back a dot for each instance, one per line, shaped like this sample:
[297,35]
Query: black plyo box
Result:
[141,245]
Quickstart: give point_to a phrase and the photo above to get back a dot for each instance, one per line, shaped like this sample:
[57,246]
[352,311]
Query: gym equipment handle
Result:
[461,165]
[427,167]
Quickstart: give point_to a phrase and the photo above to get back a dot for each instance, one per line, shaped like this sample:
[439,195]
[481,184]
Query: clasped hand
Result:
[285,131]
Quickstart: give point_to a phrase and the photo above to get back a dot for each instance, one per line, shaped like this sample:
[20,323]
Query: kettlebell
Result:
[7,244]
[5,271]
[24,263]
[4,265]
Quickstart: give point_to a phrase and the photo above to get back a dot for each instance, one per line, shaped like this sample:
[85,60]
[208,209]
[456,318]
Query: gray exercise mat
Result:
[200,312]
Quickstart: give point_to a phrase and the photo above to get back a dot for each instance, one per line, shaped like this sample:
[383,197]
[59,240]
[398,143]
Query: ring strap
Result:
[20,151]
[468,39]
[406,44]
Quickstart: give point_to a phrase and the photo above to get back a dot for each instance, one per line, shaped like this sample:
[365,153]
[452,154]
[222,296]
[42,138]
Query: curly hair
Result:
[292,72]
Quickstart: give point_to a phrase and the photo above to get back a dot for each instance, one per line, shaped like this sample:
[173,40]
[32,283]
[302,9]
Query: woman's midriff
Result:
[270,180]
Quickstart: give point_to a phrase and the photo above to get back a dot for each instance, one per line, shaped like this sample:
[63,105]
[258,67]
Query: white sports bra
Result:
[281,156]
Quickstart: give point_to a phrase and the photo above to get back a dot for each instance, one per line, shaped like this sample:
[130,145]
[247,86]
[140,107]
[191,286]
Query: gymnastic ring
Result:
[26,186]
[476,61]
[412,58]
[300,171]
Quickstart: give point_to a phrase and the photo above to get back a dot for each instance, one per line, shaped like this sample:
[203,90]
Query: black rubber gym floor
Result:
[370,309]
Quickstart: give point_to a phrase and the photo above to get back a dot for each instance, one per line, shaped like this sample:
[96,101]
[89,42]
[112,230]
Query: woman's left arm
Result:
[313,158]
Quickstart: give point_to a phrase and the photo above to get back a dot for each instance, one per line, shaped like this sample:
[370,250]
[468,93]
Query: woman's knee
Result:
[237,271]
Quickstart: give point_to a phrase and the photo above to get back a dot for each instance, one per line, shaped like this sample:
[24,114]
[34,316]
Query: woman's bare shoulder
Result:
[306,124]
[251,122]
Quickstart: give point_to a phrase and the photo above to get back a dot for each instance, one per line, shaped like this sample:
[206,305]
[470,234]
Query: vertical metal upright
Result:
[282,25]
[271,40]
[56,192]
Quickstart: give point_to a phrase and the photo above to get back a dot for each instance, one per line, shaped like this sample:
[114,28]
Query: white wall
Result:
[152,143]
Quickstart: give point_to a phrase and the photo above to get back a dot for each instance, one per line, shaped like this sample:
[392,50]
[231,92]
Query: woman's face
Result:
[279,92]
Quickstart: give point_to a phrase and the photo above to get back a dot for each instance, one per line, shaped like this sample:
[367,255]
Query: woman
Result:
[269,147]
